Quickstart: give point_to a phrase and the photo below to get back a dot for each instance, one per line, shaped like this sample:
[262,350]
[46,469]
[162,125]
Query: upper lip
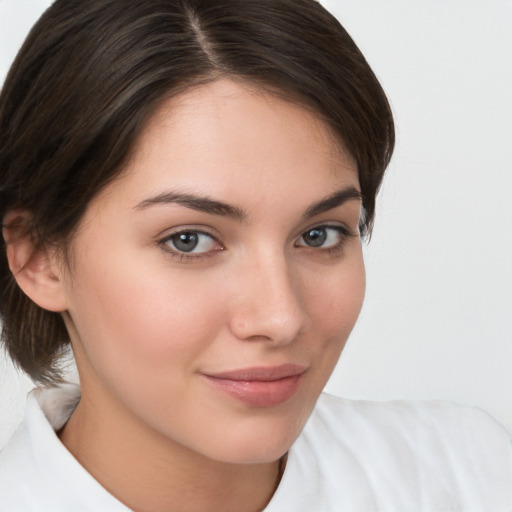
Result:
[260,373]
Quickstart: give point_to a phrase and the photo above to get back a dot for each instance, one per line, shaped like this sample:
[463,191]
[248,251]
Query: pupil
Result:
[315,237]
[186,242]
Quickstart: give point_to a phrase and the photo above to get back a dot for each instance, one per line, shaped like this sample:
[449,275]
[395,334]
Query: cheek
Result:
[141,338]
[334,308]
[142,315]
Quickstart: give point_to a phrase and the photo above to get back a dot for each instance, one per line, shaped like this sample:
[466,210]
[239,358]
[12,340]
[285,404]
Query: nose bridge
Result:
[269,304]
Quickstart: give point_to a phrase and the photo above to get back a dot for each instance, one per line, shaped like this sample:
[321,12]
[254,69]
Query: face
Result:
[213,286]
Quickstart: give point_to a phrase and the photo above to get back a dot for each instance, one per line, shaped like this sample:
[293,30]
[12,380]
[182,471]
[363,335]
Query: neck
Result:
[151,473]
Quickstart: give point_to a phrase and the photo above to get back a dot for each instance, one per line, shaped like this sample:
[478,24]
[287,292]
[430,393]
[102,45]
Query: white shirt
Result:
[352,456]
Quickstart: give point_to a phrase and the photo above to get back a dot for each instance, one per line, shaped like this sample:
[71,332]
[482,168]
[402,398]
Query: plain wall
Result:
[437,322]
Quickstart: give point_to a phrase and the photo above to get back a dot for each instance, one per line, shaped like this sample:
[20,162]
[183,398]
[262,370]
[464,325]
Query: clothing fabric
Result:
[352,456]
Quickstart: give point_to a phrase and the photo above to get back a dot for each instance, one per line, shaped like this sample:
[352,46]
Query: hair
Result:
[90,75]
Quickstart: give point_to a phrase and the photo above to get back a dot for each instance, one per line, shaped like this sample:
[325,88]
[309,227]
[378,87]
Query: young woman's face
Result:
[213,286]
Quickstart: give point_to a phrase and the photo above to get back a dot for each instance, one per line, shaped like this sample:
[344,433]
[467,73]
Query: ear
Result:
[36,268]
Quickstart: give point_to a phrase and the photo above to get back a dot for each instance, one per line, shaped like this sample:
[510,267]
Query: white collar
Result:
[37,472]
[36,460]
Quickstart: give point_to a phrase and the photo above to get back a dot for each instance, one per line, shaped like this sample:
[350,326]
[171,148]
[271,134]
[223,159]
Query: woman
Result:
[184,189]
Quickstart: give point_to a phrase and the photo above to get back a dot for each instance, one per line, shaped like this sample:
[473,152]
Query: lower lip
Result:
[258,393]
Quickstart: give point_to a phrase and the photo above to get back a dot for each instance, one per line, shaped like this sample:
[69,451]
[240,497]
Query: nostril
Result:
[278,324]
[267,304]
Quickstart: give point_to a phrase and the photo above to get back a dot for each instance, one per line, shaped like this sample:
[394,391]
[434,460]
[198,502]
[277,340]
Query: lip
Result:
[261,386]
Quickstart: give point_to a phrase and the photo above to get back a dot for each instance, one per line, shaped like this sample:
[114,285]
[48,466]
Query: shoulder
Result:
[415,450]
[37,473]
[19,474]
[423,430]
[436,419]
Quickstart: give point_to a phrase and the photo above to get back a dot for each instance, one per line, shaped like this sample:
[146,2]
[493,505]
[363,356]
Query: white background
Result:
[437,322]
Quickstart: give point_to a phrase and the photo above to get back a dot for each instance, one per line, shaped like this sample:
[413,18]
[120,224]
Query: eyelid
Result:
[339,226]
[196,228]
[163,239]
[344,232]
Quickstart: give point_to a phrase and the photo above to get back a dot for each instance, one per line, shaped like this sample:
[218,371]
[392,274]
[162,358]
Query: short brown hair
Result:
[91,73]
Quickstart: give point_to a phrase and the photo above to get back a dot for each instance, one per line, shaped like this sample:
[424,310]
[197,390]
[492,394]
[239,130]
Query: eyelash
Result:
[344,233]
[184,256]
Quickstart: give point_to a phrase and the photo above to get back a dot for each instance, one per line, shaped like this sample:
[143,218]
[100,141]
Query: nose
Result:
[267,302]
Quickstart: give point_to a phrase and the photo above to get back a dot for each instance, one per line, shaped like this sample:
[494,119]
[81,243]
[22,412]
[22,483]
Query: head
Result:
[110,105]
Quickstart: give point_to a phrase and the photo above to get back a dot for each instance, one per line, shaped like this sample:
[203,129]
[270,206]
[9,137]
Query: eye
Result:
[191,242]
[324,237]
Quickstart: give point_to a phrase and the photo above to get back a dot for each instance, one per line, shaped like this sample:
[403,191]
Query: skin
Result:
[147,322]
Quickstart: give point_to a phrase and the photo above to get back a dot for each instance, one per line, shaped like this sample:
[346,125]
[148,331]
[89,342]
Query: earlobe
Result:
[34,266]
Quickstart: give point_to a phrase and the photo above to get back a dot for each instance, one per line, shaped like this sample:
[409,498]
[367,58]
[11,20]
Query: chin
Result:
[251,452]
[256,440]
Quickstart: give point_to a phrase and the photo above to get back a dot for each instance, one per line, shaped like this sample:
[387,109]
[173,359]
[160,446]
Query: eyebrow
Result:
[333,201]
[199,203]
[213,207]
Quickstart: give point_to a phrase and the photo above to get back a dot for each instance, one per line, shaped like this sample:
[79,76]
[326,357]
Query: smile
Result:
[259,386]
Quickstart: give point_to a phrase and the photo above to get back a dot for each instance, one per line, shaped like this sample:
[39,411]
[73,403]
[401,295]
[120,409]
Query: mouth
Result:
[259,386]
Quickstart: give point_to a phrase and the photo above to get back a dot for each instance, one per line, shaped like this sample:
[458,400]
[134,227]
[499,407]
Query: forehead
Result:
[242,104]
[228,139]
